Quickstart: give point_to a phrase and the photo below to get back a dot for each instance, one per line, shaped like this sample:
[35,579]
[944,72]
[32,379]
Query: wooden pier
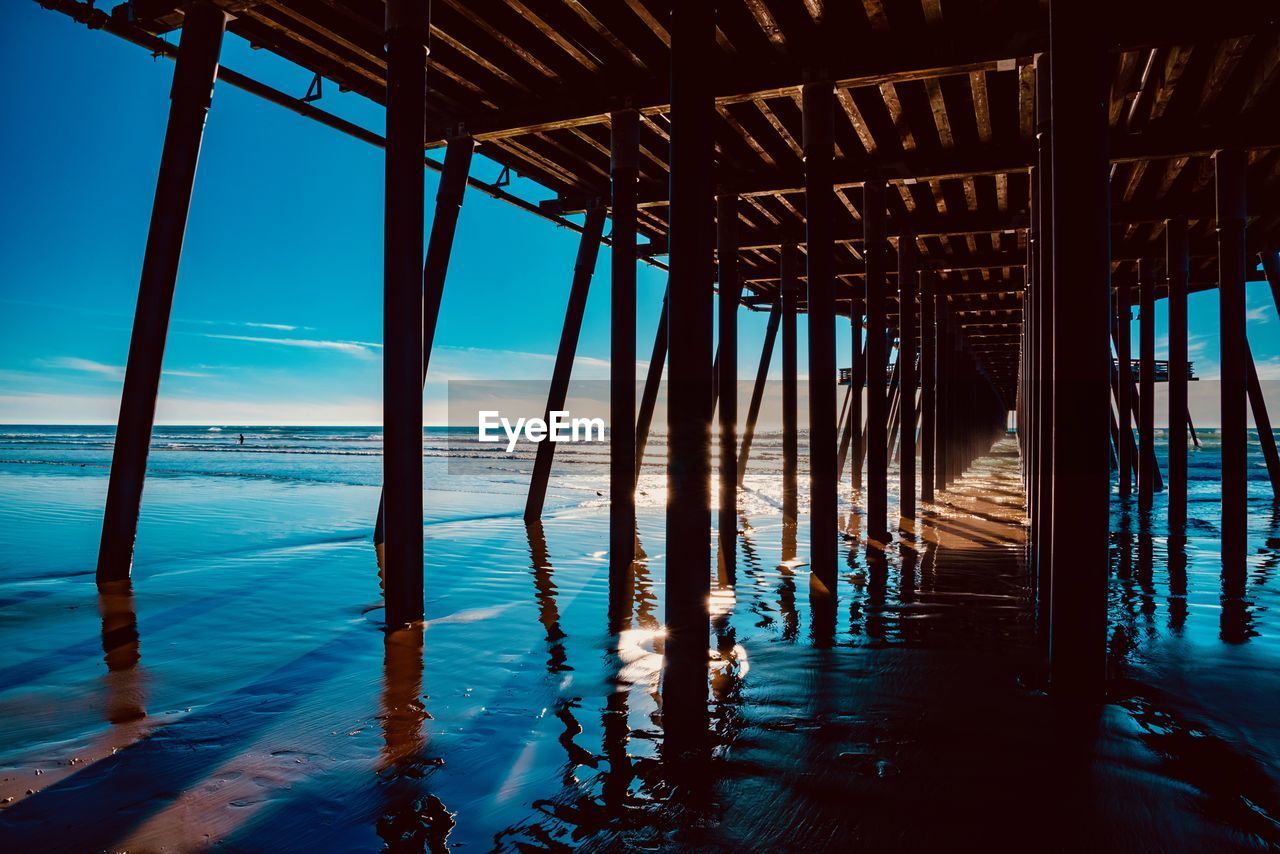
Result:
[981,188]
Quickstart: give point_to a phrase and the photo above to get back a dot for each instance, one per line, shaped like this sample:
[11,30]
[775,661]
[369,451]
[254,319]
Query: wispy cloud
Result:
[359,349]
[281,327]
[112,372]
[1259,315]
[88,366]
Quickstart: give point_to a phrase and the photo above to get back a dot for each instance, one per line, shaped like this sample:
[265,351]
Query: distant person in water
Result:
[241,438]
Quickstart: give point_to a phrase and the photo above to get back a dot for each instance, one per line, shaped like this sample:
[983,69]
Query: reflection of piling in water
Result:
[121,651]
[545,588]
[411,817]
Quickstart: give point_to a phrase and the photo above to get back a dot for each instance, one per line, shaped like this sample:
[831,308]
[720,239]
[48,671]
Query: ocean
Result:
[242,694]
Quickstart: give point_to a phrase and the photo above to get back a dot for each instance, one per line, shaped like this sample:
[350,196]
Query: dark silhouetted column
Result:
[1230,172]
[1082,357]
[907,283]
[730,293]
[757,392]
[652,384]
[1177,268]
[857,379]
[928,378]
[583,268]
[1147,380]
[449,196]
[402,313]
[192,91]
[1124,386]
[624,166]
[873,229]
[789,426]
[1262,421]
[818,102]
[690,316]
[1045,346]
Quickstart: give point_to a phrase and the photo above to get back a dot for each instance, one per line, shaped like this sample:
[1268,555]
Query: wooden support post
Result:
[1081,310]
[403,313]
[1147,379]
[1262,421]
[894,398]
[1045,243]
[928,379]
[858,380]
[652,384]
[845,431]
[690,319]
[818,113]
[907,284]
[790,440]
[873,216]
[190,96]
[727,365]
[624,169]
[942,393]
[449,197]
[1230,187]
[583,268]
[1177,269]
[1123,438]
[757,393]
[1124,386]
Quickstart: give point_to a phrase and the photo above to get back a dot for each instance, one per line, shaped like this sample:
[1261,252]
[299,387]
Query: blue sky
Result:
[277,316]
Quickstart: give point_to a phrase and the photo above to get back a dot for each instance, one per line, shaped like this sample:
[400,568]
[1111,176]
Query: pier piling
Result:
[403,314]
[1229,171]
[873,215]
[583,269]
[1081,309]
[928,374]
[1147,380]
[907,285]
[623,467]
[790,438]
[818,114]
[1176,269]
[727,366]
[444,225]
[190,97]
[690,317]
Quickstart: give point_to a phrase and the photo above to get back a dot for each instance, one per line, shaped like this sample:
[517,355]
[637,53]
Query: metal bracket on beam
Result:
[315,91]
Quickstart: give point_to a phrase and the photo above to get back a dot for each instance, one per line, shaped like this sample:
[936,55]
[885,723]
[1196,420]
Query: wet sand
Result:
[245,697]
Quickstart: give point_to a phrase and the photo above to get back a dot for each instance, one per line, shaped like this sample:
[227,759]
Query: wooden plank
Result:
[482,23]
[605,33]
[1027,102]
[894,106]
[777,125]
[1225,60]
[937,105]
[642,12]
[981,104]
[860,126]
[1174,65]
[876,15]
[553,34]
[768,24]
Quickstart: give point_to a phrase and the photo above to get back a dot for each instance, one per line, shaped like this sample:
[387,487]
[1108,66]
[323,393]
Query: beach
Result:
[242,694]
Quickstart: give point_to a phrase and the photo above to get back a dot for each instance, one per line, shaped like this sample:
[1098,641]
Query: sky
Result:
[277,315]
